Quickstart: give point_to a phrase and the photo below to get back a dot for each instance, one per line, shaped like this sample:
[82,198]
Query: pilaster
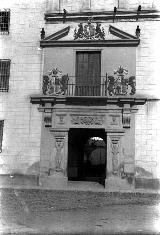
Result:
[115,167]
[57,177]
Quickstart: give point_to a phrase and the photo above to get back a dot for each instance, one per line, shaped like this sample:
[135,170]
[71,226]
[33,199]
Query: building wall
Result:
[103,5]
[111,58]
[22,128]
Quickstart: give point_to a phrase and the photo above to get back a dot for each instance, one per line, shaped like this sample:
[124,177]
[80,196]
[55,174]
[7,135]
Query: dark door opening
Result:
[88,73]
[87,155]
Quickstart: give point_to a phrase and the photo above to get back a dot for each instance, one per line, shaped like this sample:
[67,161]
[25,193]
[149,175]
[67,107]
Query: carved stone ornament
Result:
[61,118]
[54,83]
[126,117]
[115,155]
[126,120]
[86,120]
[48,119]
[114,120]
[119,84]
[89,32]
[59,145]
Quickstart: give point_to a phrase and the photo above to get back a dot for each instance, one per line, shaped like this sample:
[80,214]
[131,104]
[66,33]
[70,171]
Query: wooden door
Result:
[88,73]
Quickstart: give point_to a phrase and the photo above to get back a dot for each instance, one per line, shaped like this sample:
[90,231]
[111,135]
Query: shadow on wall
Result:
[33,169]
[141,172]
[17,178]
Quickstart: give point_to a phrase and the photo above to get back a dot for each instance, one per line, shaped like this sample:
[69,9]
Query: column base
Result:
[116,183]
[55,181]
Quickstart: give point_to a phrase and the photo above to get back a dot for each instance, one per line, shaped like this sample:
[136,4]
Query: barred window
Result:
[1,134]
[4,75]
[4,21]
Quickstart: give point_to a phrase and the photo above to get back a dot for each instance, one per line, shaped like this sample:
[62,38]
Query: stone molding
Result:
[52,18]
[92,43]
[42,100]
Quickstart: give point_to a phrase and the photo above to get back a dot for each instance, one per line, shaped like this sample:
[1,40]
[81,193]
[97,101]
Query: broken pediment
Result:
[90,34]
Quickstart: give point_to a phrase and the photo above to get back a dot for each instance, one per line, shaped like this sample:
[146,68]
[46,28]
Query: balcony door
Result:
[88,73]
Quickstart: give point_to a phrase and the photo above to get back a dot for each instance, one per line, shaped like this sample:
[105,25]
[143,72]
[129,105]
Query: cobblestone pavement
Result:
[63,212]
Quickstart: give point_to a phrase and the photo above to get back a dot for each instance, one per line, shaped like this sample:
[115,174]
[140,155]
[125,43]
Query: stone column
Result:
[114,152]
[59,157]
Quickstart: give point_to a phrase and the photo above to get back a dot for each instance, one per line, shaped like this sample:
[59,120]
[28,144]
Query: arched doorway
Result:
[87,155]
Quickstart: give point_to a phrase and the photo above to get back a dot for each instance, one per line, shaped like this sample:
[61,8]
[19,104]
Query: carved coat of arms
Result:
[119,84]
[89,32]
[54,83]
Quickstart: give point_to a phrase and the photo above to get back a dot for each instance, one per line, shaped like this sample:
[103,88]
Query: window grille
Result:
[1,134]
[4,75]
[4,21]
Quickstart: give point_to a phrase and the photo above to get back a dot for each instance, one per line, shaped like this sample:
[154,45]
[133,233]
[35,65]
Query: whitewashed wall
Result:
[22,121]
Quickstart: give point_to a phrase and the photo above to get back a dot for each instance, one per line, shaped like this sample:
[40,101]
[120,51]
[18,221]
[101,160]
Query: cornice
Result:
[52,18]
[87,100]
[91,43]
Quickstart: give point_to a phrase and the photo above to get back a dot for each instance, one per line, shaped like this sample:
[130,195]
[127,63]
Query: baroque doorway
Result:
[87,155]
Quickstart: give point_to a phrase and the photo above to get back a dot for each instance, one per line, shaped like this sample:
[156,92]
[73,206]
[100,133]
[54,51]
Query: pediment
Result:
[101,37]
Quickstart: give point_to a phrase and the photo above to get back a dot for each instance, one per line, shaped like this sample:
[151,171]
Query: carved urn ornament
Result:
[119,84]
[54,83]
[89,31]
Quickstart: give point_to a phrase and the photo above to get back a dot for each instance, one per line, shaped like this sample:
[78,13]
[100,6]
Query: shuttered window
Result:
[88,72]
[4,75]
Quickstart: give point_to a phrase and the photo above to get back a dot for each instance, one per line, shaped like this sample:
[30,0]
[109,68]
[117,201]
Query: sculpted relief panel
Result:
[111,121]
[88,120]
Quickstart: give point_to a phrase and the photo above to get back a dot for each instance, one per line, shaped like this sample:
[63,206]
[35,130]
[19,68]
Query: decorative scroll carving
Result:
[54,83]
[126,116]
[89,32]
[48,119]
[86,120]
[119,85]
[126,120]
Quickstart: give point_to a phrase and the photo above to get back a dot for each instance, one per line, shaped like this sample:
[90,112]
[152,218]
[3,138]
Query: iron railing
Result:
[4,75]
[109,86]
[84,90]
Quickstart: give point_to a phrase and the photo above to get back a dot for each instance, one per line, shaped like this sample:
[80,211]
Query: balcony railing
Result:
[109,86]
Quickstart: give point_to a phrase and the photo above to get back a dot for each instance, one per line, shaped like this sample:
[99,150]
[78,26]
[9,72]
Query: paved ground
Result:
[126,219]
[75,212]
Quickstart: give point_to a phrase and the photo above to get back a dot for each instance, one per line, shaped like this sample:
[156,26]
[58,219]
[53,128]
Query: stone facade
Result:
[25,128]
[93,5]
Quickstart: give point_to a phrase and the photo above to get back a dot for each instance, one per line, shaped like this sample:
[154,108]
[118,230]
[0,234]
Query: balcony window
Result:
[4,75]
[4,21]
